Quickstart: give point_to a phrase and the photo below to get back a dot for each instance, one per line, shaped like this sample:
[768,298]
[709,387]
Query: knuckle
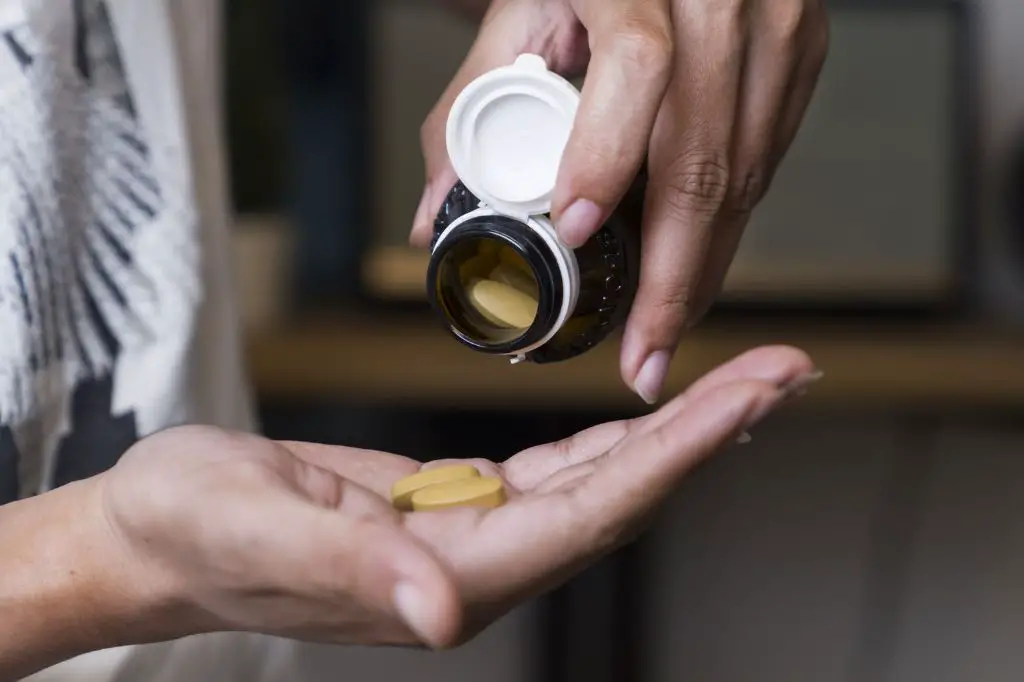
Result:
[667,307]
[800,27]
[672,300]
[811,30]
[818,43]
[646,46]
[595,153]
[698,181]
[747,190]
[722,8]
[790,20]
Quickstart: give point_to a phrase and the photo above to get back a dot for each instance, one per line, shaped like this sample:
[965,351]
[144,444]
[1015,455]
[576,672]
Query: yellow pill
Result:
[476,267]
[485,491]
[515,278]
[511,257]
[501,304]
[489,247]
[403,489]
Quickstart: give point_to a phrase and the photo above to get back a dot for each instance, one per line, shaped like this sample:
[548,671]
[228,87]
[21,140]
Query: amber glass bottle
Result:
[499,277]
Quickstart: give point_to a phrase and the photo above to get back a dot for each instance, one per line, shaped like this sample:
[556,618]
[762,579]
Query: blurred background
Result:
[873,532]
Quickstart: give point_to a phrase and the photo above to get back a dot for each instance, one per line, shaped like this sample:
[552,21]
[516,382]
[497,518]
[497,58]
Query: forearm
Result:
[65,585]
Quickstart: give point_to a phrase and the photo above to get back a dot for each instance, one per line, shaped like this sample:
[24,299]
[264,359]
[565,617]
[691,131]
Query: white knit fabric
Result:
[117,317]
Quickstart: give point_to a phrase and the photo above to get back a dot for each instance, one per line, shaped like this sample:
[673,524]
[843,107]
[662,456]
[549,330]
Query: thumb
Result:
[358,550]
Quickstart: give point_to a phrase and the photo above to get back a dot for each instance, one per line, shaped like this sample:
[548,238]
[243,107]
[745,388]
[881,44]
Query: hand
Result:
[710,92]
[299,540]
[233,532]
[577,500]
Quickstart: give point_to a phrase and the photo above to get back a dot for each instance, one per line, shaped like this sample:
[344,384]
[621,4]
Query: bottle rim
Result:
[447,296]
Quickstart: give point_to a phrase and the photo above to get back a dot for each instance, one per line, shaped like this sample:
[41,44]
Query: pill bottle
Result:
[499,277]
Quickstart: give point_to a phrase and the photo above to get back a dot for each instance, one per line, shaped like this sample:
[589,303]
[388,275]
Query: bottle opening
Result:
[488,290]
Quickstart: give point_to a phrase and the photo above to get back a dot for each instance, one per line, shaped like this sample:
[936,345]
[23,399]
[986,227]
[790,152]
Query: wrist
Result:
[70,584]
[144,600]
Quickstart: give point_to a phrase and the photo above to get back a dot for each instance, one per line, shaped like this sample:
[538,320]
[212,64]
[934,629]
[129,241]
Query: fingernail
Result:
[800,385]
[795,389]
[413,609]
[578,222]
[651,377]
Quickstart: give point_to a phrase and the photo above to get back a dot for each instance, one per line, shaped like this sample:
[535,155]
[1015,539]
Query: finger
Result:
[545,539]
[783,64]
[689,168]
[803,79]
[644,470]
[630,65]
[359,553]
[782,366]
[788,369]
[529,468]
[566,479]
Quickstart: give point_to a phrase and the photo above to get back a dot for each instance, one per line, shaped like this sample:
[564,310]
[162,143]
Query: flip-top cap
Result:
[506,134]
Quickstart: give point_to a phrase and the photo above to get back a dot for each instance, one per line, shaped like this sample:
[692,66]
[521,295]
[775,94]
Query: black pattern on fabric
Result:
[78,187]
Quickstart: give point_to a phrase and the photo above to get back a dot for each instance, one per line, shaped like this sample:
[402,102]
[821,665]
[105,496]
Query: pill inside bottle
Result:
[490,289]
[501,304]
[499,278]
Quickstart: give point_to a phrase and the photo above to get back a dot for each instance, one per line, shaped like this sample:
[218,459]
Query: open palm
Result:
[576,500]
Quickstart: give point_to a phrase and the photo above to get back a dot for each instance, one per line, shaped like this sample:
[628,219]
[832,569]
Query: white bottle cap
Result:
[506,134]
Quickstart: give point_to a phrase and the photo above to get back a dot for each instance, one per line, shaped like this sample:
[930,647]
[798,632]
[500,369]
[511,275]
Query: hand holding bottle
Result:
[710,92]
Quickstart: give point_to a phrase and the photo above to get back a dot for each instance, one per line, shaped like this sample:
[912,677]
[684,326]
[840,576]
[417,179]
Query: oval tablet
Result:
[508,256]
[476,267]
[404,488]
[485,491]
[515,278]
[490,247]
[502,304]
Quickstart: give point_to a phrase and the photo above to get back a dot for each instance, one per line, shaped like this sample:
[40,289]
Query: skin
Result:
[710,92]
[199,530]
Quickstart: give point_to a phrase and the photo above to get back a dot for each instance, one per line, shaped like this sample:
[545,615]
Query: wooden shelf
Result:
[399,272]
[411,360]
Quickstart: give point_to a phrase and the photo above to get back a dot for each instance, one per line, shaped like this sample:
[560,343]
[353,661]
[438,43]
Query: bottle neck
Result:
[483,245]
